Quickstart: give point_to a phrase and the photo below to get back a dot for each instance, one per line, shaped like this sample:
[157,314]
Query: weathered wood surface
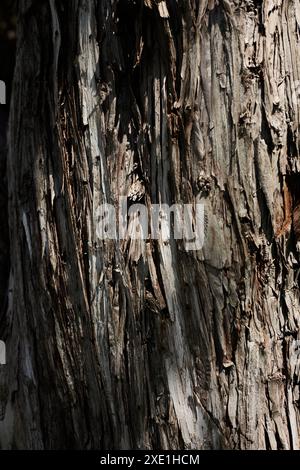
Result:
[110,346]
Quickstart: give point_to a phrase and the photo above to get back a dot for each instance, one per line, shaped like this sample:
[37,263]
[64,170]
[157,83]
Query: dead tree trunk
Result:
[111,344]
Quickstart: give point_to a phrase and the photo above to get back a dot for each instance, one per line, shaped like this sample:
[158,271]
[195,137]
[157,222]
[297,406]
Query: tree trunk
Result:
[116,344]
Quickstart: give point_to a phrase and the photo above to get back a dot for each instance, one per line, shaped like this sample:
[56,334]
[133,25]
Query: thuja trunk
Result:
[116,344]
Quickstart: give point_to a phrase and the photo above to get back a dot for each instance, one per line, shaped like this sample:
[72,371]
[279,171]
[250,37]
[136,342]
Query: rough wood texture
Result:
[114,346]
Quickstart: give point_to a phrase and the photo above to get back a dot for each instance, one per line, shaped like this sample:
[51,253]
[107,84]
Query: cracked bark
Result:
[114,346]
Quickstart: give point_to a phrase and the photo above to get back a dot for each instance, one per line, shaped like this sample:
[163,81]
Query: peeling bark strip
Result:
[114,345]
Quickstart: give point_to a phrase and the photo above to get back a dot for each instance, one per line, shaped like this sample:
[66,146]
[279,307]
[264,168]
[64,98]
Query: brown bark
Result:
[112,347]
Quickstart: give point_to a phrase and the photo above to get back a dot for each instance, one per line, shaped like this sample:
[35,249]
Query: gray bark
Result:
[111,345]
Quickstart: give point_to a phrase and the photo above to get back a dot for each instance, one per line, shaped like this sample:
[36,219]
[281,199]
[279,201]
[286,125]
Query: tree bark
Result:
[115,344]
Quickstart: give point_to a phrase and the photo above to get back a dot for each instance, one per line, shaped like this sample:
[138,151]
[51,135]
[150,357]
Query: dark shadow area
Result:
[7,62]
